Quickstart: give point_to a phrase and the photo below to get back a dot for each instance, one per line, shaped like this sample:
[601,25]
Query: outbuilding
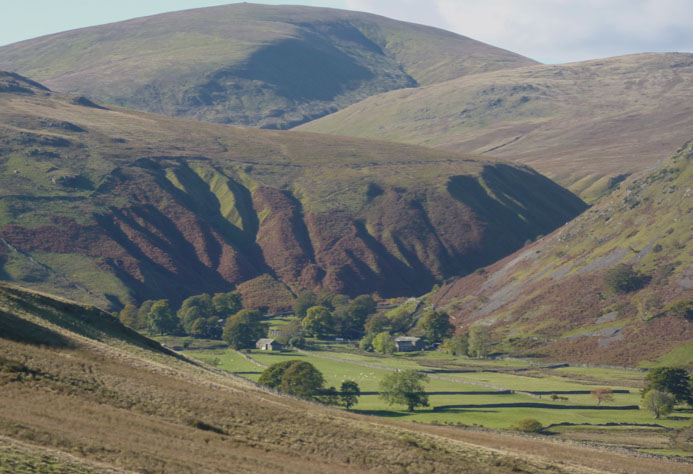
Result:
[409,344]
[268,345]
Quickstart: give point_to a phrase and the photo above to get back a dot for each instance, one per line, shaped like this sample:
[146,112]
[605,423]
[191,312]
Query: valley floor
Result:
[469,394]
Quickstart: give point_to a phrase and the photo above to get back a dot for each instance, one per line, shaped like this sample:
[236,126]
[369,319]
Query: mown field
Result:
[492,394]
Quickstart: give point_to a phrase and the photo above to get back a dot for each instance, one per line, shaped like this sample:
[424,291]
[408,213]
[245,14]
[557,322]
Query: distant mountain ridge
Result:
[111,205]
[251,65]
[586,125]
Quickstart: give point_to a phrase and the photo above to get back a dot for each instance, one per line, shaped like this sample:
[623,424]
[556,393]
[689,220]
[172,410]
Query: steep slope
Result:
[554,298]
[585,125]
[82,393]
[110,204]
[257,65]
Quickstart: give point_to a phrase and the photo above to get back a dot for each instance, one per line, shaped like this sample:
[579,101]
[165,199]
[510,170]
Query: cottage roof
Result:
[407,339]
[265,341]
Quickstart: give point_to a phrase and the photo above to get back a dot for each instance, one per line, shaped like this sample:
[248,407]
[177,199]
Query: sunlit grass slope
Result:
[586,125]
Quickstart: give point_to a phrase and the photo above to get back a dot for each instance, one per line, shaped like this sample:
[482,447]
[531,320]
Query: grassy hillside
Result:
[110,205]
[585,125]
[257,65]
[556,297]
[81,393]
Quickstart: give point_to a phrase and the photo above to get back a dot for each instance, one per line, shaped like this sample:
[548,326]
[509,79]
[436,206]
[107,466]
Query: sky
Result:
[550,31]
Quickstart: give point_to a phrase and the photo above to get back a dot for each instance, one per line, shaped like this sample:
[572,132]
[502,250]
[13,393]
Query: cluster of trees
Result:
[301,379]
[380,329]
[664,387]
[475,343]
[326,314]
[222,317]
[243,329]
[198,316]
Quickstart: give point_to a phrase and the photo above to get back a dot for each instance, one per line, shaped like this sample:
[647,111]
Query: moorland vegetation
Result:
[210,239]
[112,206]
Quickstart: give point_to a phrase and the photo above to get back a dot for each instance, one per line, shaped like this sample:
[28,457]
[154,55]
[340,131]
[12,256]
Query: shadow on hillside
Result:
[281,355]
[20,330]
[86,321]
[496,392]
[4,276]
[381,413]
[538,405]
[299,69]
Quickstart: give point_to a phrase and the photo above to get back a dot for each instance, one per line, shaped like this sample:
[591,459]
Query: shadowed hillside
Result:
[256,65]
[110,205]
[614,285]
[586,125]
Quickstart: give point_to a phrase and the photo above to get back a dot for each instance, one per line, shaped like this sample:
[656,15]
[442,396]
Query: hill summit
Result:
[253,65]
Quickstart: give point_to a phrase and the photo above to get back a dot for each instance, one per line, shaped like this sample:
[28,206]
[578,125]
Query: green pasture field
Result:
[228,359]
[681,356]
[335,372]
[277,321]
[627,378]
[456,402]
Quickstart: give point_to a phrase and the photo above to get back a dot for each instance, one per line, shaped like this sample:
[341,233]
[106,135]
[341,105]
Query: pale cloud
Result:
[554,30]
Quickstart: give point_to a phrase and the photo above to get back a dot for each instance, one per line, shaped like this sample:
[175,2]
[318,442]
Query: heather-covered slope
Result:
[82,393]
[113,205]
[553,298]
[256,65]
[586,125]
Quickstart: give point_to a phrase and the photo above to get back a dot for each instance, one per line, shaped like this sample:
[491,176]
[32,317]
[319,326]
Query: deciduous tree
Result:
[194,314]
[143,314]
[306,299]
[659,403]
[366,343]
[479,341]
[377,323]
[272,375]
[528,425]
[673,380]
[405,388]
[244,328]
[302,379]
[295,377]
[603,395]
[128,316]
[401,320]
[349,393]
[436,326]
[457,345]
[624,279]
[384,343]
[318,321]
[161,318]
[226,304]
